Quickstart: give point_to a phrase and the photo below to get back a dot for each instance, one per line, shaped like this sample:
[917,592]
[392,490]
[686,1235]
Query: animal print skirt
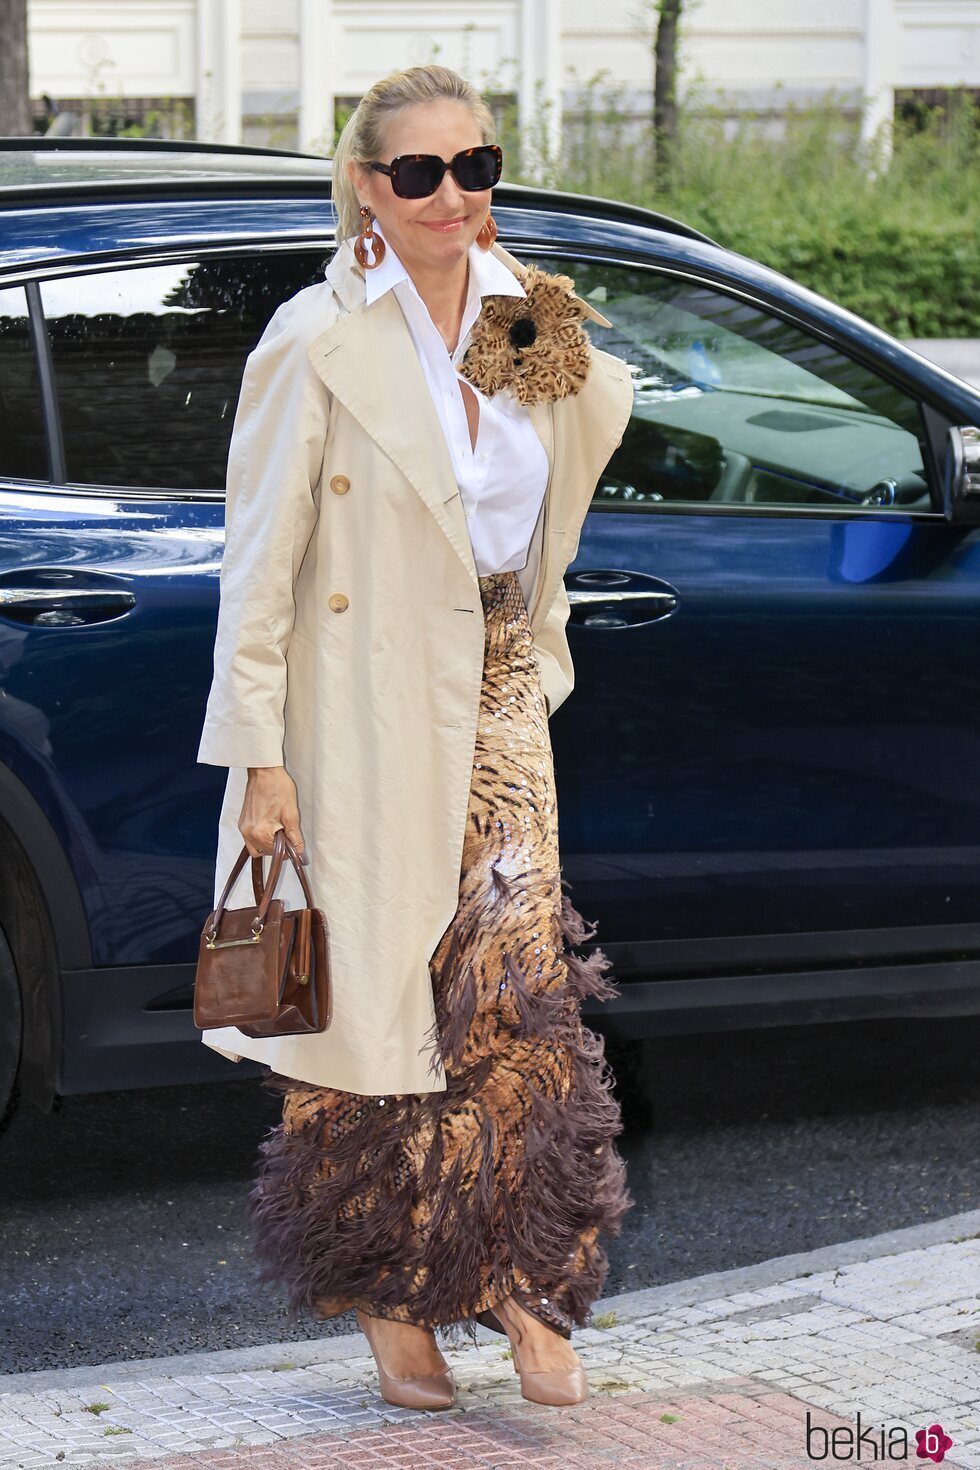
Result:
[431,1207]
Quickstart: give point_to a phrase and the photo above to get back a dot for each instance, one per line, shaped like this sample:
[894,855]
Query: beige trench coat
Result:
[349,648]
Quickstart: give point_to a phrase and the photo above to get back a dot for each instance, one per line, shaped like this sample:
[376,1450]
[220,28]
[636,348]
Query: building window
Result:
[111,117]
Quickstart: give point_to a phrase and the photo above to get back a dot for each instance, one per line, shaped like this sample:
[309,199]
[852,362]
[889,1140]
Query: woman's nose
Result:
[450,196]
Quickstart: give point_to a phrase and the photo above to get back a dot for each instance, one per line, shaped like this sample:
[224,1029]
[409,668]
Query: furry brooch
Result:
[533,345]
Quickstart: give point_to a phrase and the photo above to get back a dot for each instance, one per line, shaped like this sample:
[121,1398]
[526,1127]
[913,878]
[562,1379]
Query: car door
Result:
[770,758]
[109,565]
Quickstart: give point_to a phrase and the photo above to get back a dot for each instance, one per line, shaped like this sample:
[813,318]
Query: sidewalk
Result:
[744,1369]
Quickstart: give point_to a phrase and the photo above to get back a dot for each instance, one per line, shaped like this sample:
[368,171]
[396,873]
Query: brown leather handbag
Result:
[263,968]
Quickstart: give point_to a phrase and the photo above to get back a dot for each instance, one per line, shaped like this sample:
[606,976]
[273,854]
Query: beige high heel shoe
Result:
[429,1391]
[556,1386]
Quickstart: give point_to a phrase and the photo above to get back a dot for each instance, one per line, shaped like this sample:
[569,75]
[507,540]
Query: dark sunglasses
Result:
[415,175]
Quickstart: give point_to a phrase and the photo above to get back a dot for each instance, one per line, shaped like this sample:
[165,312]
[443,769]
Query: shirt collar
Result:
[488,276]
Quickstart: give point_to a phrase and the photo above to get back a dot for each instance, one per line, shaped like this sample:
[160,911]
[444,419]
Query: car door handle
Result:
[667,600]
[54,607]
[614,600]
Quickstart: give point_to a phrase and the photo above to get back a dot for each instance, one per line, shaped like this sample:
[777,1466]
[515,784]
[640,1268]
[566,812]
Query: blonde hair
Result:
[363,136]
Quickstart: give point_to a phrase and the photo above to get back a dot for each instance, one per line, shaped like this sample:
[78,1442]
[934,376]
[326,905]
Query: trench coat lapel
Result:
[542,416]
[368,360]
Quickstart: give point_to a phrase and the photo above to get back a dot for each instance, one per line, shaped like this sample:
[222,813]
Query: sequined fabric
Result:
[432,1207]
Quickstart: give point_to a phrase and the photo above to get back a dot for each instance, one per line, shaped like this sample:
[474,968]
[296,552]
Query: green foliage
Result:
[890,236]
[110,115]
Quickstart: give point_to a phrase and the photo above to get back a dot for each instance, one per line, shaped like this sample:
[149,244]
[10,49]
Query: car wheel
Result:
[11,1032]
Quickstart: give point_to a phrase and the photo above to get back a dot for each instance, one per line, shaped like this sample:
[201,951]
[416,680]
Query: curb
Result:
[783,1268]
[627,1306]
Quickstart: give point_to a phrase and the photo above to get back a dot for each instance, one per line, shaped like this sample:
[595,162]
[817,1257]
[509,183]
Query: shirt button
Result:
[340,484]
[338,602]
[483,455]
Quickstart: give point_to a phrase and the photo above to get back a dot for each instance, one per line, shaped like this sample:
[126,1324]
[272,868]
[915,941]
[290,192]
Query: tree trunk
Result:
[15,112]
[665,90]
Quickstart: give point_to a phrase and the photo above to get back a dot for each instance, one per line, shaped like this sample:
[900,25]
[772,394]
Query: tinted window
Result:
[23,455]
[735,406]
[149,361]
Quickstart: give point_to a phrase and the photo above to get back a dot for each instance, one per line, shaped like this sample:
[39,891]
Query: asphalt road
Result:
[123,1223]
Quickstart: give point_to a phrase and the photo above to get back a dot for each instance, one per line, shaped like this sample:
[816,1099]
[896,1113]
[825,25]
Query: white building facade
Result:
[281,72]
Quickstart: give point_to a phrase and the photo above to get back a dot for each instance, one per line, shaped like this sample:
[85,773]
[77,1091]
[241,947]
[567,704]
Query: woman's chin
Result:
[443,245]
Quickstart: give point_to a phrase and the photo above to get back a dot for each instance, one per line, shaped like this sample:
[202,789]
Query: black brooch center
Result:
[522,332]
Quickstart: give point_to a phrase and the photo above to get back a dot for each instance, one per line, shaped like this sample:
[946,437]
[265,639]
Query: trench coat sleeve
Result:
[272,499]
[553,654]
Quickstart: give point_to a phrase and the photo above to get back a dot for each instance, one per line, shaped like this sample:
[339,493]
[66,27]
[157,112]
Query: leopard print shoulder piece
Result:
[534,346]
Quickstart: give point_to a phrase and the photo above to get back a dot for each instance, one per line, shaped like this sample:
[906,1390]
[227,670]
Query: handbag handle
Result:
[281,846]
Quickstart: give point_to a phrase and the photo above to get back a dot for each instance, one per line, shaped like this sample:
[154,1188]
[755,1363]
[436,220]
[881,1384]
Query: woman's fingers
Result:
[296,838]
[270,804]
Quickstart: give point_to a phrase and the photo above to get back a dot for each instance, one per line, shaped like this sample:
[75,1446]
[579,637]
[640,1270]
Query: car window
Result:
[736,407]
[23,453]
[149,360]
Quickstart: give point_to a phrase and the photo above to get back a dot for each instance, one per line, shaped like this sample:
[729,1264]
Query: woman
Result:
[417,441]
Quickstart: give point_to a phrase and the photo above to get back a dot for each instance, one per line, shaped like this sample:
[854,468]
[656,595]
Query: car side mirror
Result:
[961,476]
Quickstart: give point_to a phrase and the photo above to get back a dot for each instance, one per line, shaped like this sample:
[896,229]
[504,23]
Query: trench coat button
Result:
[340,484]
[338,602]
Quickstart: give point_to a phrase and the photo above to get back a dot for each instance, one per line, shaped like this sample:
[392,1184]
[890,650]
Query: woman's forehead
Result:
[443,126]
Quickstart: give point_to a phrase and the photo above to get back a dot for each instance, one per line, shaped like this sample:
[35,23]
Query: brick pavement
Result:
[726,1372]
[735,1424]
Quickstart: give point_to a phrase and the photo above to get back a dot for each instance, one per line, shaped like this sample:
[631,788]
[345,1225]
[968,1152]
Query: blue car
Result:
[769,773]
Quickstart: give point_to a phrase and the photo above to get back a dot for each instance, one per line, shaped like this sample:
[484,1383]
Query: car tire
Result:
[11,1033]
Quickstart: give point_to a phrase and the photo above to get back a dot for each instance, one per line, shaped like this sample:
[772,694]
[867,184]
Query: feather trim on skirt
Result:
[431,1207]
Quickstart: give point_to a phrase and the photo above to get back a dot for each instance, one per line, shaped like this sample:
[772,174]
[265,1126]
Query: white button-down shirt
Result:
[502,480]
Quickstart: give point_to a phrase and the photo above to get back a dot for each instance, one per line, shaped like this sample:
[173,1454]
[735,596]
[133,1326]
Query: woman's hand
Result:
[270,803]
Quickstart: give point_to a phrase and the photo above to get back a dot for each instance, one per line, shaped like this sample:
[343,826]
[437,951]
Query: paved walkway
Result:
[845,1353]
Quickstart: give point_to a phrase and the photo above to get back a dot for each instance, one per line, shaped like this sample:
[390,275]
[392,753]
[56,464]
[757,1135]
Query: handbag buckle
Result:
[213,942]
[231,943]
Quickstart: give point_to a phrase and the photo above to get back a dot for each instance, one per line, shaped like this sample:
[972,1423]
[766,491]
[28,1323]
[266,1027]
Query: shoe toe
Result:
[559,1387]
[435,1391]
